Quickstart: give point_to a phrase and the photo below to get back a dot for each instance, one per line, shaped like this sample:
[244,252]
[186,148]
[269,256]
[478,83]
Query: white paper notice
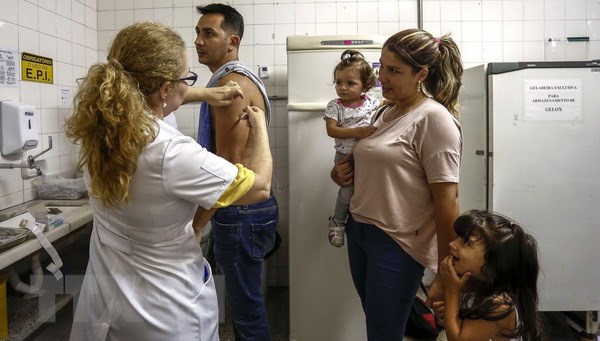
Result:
[8,68]
[553,99]
[65,97]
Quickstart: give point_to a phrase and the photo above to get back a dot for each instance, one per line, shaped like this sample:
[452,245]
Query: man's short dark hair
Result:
[233,22]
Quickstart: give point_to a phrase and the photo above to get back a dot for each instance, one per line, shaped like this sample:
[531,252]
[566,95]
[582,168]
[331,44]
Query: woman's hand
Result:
[254,118]
[218,96]
[438,310]
[451,281]
[435,298]
[223,95]
[343,172]
[435,291]
[254,115]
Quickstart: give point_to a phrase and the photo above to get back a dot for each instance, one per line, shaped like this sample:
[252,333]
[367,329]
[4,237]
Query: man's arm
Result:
[201,218]
[231,134]
[259,158]
[260,162]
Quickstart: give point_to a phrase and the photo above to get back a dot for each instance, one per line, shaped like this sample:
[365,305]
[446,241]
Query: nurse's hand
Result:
[219,96]
[343,172]
[224,95]
[254,115]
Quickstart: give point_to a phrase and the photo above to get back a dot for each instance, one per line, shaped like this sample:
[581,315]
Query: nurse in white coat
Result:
[146,278]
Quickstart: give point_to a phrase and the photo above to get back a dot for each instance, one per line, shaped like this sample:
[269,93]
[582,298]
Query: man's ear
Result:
[234,42]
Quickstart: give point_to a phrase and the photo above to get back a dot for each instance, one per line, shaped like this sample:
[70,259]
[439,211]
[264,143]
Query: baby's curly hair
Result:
[354,59]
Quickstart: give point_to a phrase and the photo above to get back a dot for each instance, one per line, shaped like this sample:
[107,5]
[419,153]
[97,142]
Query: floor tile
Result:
[277,302]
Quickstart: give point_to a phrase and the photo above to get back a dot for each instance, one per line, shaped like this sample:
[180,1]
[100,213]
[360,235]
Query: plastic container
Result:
[57,187]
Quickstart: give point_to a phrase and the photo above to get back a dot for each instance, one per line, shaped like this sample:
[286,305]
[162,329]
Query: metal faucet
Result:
[30,161]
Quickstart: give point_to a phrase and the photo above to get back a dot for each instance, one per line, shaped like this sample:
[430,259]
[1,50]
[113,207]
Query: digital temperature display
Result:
[347,42]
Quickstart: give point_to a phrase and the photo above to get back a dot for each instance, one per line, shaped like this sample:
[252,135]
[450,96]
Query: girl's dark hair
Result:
[420,49]
[509,275]
[354,59]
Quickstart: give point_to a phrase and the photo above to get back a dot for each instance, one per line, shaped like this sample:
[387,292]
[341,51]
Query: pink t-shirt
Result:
[393,170]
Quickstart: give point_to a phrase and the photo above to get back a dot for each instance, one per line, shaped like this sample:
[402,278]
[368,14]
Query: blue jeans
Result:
[243,235]
[386,279]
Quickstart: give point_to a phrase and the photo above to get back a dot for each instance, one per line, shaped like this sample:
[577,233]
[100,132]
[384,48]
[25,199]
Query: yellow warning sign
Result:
[36,68]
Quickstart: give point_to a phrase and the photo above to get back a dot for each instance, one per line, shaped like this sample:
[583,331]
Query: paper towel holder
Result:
[18,123]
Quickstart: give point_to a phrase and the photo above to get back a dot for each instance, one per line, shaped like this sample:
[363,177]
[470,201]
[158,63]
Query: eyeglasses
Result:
[190,80]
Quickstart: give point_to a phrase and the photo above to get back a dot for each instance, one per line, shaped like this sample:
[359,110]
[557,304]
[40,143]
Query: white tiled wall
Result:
[72,31]
[66,31]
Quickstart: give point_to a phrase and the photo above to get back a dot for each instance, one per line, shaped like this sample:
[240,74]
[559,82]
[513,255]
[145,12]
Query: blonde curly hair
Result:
[112,120]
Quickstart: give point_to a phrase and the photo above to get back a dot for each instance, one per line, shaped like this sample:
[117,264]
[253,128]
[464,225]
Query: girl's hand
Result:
[365,131]
[386,102]
[343,172]
[450,279]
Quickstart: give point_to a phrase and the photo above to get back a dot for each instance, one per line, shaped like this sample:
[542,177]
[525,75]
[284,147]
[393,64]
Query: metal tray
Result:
[10,237]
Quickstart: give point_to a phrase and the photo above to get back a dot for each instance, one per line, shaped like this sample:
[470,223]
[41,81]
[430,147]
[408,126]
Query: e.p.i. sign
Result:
[36,68]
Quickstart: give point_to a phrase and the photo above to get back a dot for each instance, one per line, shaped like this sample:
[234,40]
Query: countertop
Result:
[73,221]
[24,316]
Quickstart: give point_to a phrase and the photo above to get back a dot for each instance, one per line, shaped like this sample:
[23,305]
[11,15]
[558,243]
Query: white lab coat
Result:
[146,278]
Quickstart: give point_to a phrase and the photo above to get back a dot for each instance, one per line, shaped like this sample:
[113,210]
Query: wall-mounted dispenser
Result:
[18,124]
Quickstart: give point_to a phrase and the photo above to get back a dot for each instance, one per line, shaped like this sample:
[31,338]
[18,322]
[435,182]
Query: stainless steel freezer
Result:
[540,157]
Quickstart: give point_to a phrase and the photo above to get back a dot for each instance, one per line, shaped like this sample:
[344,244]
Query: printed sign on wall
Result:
[553,99]
[8,68]
[36,68]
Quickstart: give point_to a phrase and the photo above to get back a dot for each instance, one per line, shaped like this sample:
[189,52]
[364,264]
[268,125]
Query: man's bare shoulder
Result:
[231,134]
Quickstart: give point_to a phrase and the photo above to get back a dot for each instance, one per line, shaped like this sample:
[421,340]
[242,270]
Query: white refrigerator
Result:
[323,302]
[534,142]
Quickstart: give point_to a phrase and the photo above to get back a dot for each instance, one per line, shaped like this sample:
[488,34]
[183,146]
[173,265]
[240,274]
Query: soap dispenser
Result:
[18,123]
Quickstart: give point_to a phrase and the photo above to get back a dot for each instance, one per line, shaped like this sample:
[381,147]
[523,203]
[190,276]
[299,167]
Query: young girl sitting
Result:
[348,118]
[490,281]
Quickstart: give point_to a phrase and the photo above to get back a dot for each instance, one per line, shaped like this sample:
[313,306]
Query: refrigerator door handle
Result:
[320,106]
